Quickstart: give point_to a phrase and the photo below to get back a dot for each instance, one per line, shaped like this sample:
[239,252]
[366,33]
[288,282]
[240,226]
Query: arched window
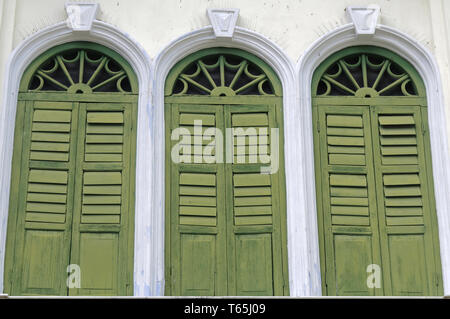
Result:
[375,198]
[72,185]
[225,198]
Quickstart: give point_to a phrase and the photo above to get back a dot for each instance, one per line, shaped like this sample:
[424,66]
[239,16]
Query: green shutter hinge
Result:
[318,126]
[424,129]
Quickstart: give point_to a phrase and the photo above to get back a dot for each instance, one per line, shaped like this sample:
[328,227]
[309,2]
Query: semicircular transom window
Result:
[80,71]
[365,75]
[222,75]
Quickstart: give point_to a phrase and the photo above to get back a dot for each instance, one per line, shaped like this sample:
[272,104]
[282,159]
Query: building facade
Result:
[294,148]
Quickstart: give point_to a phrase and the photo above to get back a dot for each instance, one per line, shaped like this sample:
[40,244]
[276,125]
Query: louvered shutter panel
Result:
[255,266]
[102,211]
[45,190]
[347,199]
[197,208]
[404,201]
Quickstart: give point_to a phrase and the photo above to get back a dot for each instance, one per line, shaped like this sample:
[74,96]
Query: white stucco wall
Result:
[292,24]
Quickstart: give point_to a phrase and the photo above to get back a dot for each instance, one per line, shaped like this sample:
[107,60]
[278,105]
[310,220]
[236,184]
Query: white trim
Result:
[364,18]
[223,21]
[31,48]
[80,15]
[425,64]
[266,50]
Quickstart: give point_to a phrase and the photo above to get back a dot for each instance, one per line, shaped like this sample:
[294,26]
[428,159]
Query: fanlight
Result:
[80,71]
[222,75]
[365,75]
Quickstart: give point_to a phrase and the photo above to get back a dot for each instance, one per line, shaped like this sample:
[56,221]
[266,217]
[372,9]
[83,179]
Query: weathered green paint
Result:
[374,189]
[72,191]
[225,223]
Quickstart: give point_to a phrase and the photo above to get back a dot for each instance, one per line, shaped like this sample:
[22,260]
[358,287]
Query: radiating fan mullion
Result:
[222,70]
[393,84]
[97,71]
[198,85]
[109,80]
[81,67]
[56,82]
[238,74]
[380,74]
[364,70]
[338,84]
[64,69]
[349,74]
[250,84]
[206,73]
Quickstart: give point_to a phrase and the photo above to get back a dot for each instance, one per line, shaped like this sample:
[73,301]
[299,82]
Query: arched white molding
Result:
[425,64]
[131,51]
[269,52]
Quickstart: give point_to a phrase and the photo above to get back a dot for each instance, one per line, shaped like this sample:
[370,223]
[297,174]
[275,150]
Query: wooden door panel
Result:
[353,256]
[198,264]
[254,265]
[44,263]
[99,264]
[408,265]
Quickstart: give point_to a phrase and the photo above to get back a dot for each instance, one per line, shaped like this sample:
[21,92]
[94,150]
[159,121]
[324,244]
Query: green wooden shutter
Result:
[375,199]
[74,202]
[383,159]
[197,211]
[45,195]
[254,212]
[225,219]
[72,181]
[348,198]
[405,201]
[102,213]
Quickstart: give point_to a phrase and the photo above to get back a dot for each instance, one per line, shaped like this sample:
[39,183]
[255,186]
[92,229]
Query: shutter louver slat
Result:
[349,200]
[251,134]
[345,138]
[47,196]
[104,137]
[97,207]
[187,121]
[398,139]
[198,201]
[252,199]
[403,199]
[50,135]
